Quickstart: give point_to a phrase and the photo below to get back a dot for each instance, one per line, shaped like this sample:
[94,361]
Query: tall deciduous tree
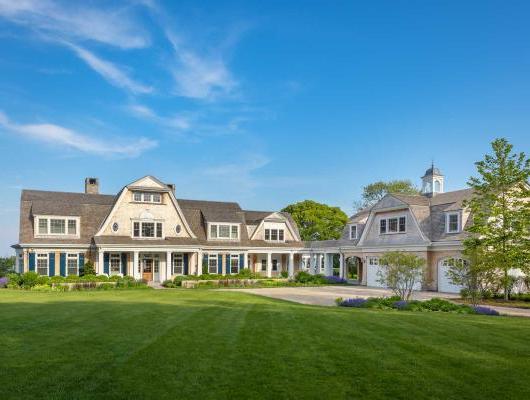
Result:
[500,209]
[374,192]
[317,221]
[7,265]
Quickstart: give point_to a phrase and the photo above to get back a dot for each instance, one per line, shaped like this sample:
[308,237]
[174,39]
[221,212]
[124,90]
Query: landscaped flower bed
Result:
[246,278]
[395,303]
[33,281]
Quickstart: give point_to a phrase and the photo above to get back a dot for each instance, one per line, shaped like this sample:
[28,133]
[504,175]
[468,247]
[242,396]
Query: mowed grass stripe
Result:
[212,344]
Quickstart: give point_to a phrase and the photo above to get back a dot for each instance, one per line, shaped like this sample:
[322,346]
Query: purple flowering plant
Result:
[481,310]
[335,279]
[356,302]
[3,282]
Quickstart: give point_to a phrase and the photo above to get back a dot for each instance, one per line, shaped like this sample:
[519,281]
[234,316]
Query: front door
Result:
[147,269]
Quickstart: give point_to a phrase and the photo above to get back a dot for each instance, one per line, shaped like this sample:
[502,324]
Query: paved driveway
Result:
[326,295]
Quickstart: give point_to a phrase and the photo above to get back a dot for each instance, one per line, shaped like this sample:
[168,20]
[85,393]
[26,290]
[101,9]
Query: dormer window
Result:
[353,232]
[147,197]
[274,235]
[224,231]
[393,225]
[57,226]
[452,222]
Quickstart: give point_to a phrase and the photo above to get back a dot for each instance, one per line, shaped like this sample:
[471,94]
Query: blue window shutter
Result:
[106,257]
[31,261]
[51,264]
[220,264]
[124,263]
[81,263]
[242,261]
[62,264]
[205,263]
[185,263]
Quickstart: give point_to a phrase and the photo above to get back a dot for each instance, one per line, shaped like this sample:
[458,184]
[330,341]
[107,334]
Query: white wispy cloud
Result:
[61,136]
[179,122]
[199,76]
[239,172]
[77,21]
[110,72]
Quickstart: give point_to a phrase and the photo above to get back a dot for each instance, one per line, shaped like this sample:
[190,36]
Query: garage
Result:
[444,283]
[373,276]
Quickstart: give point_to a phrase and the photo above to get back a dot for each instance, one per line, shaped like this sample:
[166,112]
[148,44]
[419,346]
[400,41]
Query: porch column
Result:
[136,257]
[269,265]
[319,263]
[341,265]
[290,266]
[199,263]
[100,262]
[169,266]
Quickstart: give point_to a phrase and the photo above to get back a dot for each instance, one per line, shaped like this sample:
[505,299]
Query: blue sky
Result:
[264,103]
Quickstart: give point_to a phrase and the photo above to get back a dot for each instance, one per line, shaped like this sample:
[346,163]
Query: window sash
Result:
[148,229]
[275,265]
[392,225]
[264,265]
[234,232]
[353,232]
[274,234]
[213,231]
[57,226]
[147,197]
[212,263]
[453,223]
[178,264]
[373,261]
[156,198]
[224,231]
[382,226]
[115,264]
[42,264]
[43,226]
[72,264]
[402,224]
[280,235]
[234,263]
[136,229]
[267,234]
[158,229]
[72,227]
[137,196]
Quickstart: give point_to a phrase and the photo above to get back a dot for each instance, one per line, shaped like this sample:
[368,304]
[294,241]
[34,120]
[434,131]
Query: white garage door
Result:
[372,276]
[444,284]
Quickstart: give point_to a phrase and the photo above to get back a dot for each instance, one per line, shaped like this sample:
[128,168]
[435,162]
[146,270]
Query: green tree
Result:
[374,192]
[317,221]
[401,272]
[501,210]
[7,265]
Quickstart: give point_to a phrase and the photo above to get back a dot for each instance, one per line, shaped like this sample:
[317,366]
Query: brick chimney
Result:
[92,185]
[171,186]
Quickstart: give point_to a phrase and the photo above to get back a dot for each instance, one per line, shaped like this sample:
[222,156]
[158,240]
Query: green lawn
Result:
[212,344]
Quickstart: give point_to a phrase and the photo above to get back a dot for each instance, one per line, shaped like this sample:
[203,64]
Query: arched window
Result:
[437,186]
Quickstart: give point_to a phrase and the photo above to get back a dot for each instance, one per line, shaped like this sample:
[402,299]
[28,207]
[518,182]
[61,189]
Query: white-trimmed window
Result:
[373,261]
[115,263]
[234,263]
[393,225]
[72,264]
[147,197]
[57,226]
[275,264]
[274,235]
[353,232]
[212,263]
[178,264]
[452,222]
[224,231]
[263,264]
[147,229]
[42,264]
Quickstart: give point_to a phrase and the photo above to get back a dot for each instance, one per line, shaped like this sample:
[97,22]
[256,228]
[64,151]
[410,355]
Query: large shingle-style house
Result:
[146,232]
[430,225]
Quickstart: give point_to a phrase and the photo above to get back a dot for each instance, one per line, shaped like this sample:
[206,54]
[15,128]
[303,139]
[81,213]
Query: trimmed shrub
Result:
[41,288]
[28,280]
[284,274]
[87,269]
[115,278]
[57,279]
[169,284]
